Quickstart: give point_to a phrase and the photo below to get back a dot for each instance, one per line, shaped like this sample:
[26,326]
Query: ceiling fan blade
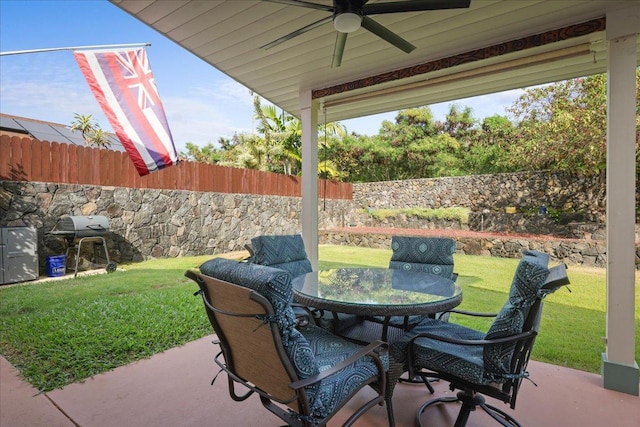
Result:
[413,6]
[301,3]
[338,49]
[297,33]
[387,35]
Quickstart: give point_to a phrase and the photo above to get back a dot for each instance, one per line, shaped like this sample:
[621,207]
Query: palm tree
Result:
[91,131]
[283,132]
[326,168]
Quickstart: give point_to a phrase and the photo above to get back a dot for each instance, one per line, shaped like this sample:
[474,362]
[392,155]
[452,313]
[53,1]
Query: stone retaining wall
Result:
[491,193]
[157,223]
[170,223]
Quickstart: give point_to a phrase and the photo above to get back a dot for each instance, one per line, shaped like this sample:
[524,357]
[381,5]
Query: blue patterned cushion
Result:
[429,254]
[296,268]
[275,285]
[432,255]
[479,364]
[530,275]
[330,350]
[270,250]
[284,252]
[461,360]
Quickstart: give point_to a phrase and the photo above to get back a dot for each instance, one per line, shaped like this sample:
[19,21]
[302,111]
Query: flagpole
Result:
[106,46]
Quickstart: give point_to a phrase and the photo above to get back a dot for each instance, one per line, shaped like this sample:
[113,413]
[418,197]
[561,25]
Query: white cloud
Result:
[201,122]
[204,113]
[54,89]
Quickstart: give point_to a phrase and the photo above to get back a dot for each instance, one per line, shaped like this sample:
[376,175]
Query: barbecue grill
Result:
[77,230]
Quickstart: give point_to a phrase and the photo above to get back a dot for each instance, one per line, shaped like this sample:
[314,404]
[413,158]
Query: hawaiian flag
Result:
[124,87]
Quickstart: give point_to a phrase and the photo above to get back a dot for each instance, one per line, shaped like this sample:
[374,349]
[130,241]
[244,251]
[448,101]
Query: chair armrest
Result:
[468,313]
[249,249]
[450,340]
[192,274]
[372,350]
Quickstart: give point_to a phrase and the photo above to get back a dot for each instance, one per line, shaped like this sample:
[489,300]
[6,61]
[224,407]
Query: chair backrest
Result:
[264,348]
[429,254]
[234,313]
[285,252]
[521,313]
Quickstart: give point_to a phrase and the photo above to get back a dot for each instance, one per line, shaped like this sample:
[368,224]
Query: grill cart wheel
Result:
[111,267]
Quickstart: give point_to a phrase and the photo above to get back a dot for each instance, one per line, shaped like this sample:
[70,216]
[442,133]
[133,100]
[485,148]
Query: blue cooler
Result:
[56,265]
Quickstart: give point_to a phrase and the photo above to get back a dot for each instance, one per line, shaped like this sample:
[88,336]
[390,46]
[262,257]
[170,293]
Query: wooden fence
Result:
[26,159]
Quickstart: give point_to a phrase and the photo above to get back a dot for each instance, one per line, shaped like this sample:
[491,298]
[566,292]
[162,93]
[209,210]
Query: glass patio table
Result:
[371,292]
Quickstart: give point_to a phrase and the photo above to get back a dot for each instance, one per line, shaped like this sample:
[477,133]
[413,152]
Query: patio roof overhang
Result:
[493,46]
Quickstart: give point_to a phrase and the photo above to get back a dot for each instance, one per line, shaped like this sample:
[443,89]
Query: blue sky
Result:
[201,103]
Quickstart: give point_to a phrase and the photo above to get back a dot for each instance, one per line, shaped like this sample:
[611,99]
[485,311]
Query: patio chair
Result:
[432,255]
[429,254]
[484,364]
[287,252]
[304,376]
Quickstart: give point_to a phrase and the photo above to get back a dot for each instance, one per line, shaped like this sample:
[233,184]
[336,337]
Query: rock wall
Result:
[170,223]
[157,223]
[491,193]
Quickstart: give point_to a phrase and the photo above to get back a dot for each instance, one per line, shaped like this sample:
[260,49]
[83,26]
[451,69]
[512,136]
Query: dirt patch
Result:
[444,233]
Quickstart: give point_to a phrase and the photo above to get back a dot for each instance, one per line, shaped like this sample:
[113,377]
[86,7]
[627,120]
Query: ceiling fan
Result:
[349,15]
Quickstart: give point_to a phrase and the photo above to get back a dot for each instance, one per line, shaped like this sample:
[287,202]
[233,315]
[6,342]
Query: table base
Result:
[367,331]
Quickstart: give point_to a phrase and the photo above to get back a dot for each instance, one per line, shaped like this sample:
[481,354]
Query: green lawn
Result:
[61,332]
[573,323]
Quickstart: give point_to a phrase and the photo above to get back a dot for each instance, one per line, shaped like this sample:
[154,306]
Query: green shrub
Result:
[449,214]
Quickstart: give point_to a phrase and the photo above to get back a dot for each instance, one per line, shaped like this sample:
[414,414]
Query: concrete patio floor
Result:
[173,389]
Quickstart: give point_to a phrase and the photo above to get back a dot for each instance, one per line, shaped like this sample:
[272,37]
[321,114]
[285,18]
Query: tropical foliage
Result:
[561,127]
[91,131]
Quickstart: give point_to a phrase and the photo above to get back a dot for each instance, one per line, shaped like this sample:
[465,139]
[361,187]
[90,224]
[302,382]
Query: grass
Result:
[57,333]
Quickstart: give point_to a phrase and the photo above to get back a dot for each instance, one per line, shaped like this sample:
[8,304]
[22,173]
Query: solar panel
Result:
[116,145]
[10,124]
[73,136]
[42,131]
[54,133]
[77,139]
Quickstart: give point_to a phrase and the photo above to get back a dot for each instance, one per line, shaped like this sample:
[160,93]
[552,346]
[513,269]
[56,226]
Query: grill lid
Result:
[81,226]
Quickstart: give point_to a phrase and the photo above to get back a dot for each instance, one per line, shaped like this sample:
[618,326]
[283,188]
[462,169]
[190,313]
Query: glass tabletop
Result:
[377,291]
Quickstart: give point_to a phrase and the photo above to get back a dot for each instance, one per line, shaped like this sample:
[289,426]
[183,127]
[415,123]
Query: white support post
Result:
[309,117]
[619,369]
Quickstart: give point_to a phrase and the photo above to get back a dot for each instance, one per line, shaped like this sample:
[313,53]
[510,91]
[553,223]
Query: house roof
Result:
[493,46]
[48,131]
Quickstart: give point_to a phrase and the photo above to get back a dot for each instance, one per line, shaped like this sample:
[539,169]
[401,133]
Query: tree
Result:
[91,131]
[250,152]
[459,123]
[207,154]
[488,150]
[327,135]
[562,126]
[282,134]
[416,148]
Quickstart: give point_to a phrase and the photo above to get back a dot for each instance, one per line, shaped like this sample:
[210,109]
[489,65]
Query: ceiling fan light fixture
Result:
[347,22]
